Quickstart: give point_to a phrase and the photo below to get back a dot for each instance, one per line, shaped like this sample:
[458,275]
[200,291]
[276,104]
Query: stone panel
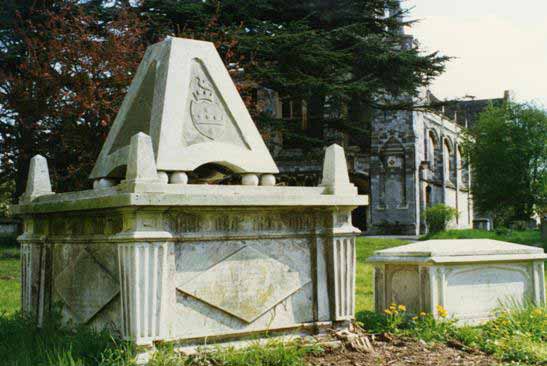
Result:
[85,287]
[489,287]
[288,301]
[246,284]
[403,286]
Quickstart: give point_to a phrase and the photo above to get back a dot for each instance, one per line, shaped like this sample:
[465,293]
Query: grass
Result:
[527,237]
[22,344]
[273,353]
[9,275]
[364,299]
[25,345]
[518,334]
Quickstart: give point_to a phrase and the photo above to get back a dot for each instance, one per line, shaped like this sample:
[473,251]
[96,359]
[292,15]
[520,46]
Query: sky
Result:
[497,44]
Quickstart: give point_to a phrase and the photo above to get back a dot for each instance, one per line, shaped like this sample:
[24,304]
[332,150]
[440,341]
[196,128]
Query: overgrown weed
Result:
[56,345]
[271,353]
[517,334]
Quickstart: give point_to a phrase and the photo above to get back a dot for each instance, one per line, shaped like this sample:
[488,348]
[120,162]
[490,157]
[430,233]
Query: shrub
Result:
[437,217]
[8,240]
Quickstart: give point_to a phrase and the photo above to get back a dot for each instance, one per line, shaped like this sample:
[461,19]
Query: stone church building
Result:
[408,161]
[413,160]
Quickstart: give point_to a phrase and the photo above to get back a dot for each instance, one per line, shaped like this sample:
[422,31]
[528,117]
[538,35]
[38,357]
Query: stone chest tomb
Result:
[160,259]
[470,278]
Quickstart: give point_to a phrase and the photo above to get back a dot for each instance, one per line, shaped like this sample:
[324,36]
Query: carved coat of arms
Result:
[206,110]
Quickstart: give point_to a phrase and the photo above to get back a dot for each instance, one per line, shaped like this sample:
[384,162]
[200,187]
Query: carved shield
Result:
[206,111]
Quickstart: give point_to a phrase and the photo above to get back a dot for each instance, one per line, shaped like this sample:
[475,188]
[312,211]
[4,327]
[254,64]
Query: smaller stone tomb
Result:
[470,278]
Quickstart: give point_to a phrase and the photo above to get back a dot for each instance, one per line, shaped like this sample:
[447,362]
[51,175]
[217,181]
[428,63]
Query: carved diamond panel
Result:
[246,284]
[86,287]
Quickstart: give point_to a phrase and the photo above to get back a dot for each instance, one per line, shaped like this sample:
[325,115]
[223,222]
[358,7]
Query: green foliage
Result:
[64,70]
[54,345]
[508,153]
[273,353]
[343,61]
[397,320]
[23,344]
[8,240]
[527,237]
[438,216]
[517,334]
[10,292]
[7,188]
[363,276]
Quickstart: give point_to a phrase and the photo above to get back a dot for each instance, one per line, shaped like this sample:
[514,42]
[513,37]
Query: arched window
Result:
[431,149]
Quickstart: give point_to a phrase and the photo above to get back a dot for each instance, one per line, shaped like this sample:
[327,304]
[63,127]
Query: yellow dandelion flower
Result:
[537,312]
[414,318]
[423,313]
[442,311]
[401,307]
[388,312]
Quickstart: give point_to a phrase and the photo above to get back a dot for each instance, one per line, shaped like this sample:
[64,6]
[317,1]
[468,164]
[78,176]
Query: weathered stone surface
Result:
[249,180]
[415,163]
[85,287]
[267,180]
[246,284]
[38,182]
[335,172]
[183,98]
[141,166]
[178,178]
[470,278]
[191,263]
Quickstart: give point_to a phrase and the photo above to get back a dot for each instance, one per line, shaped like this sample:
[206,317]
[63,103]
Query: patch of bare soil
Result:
[395,351]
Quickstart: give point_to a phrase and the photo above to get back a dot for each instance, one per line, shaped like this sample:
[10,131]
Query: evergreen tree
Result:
[65,66]
[343,57]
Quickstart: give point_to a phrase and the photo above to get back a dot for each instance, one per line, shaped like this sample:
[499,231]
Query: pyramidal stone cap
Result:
[141,166]
[457,250]
[38,181]
[183,97]
[335,172]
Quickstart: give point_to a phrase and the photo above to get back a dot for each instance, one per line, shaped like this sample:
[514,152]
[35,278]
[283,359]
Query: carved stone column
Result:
[341,267]
[35,270]
[143,268]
